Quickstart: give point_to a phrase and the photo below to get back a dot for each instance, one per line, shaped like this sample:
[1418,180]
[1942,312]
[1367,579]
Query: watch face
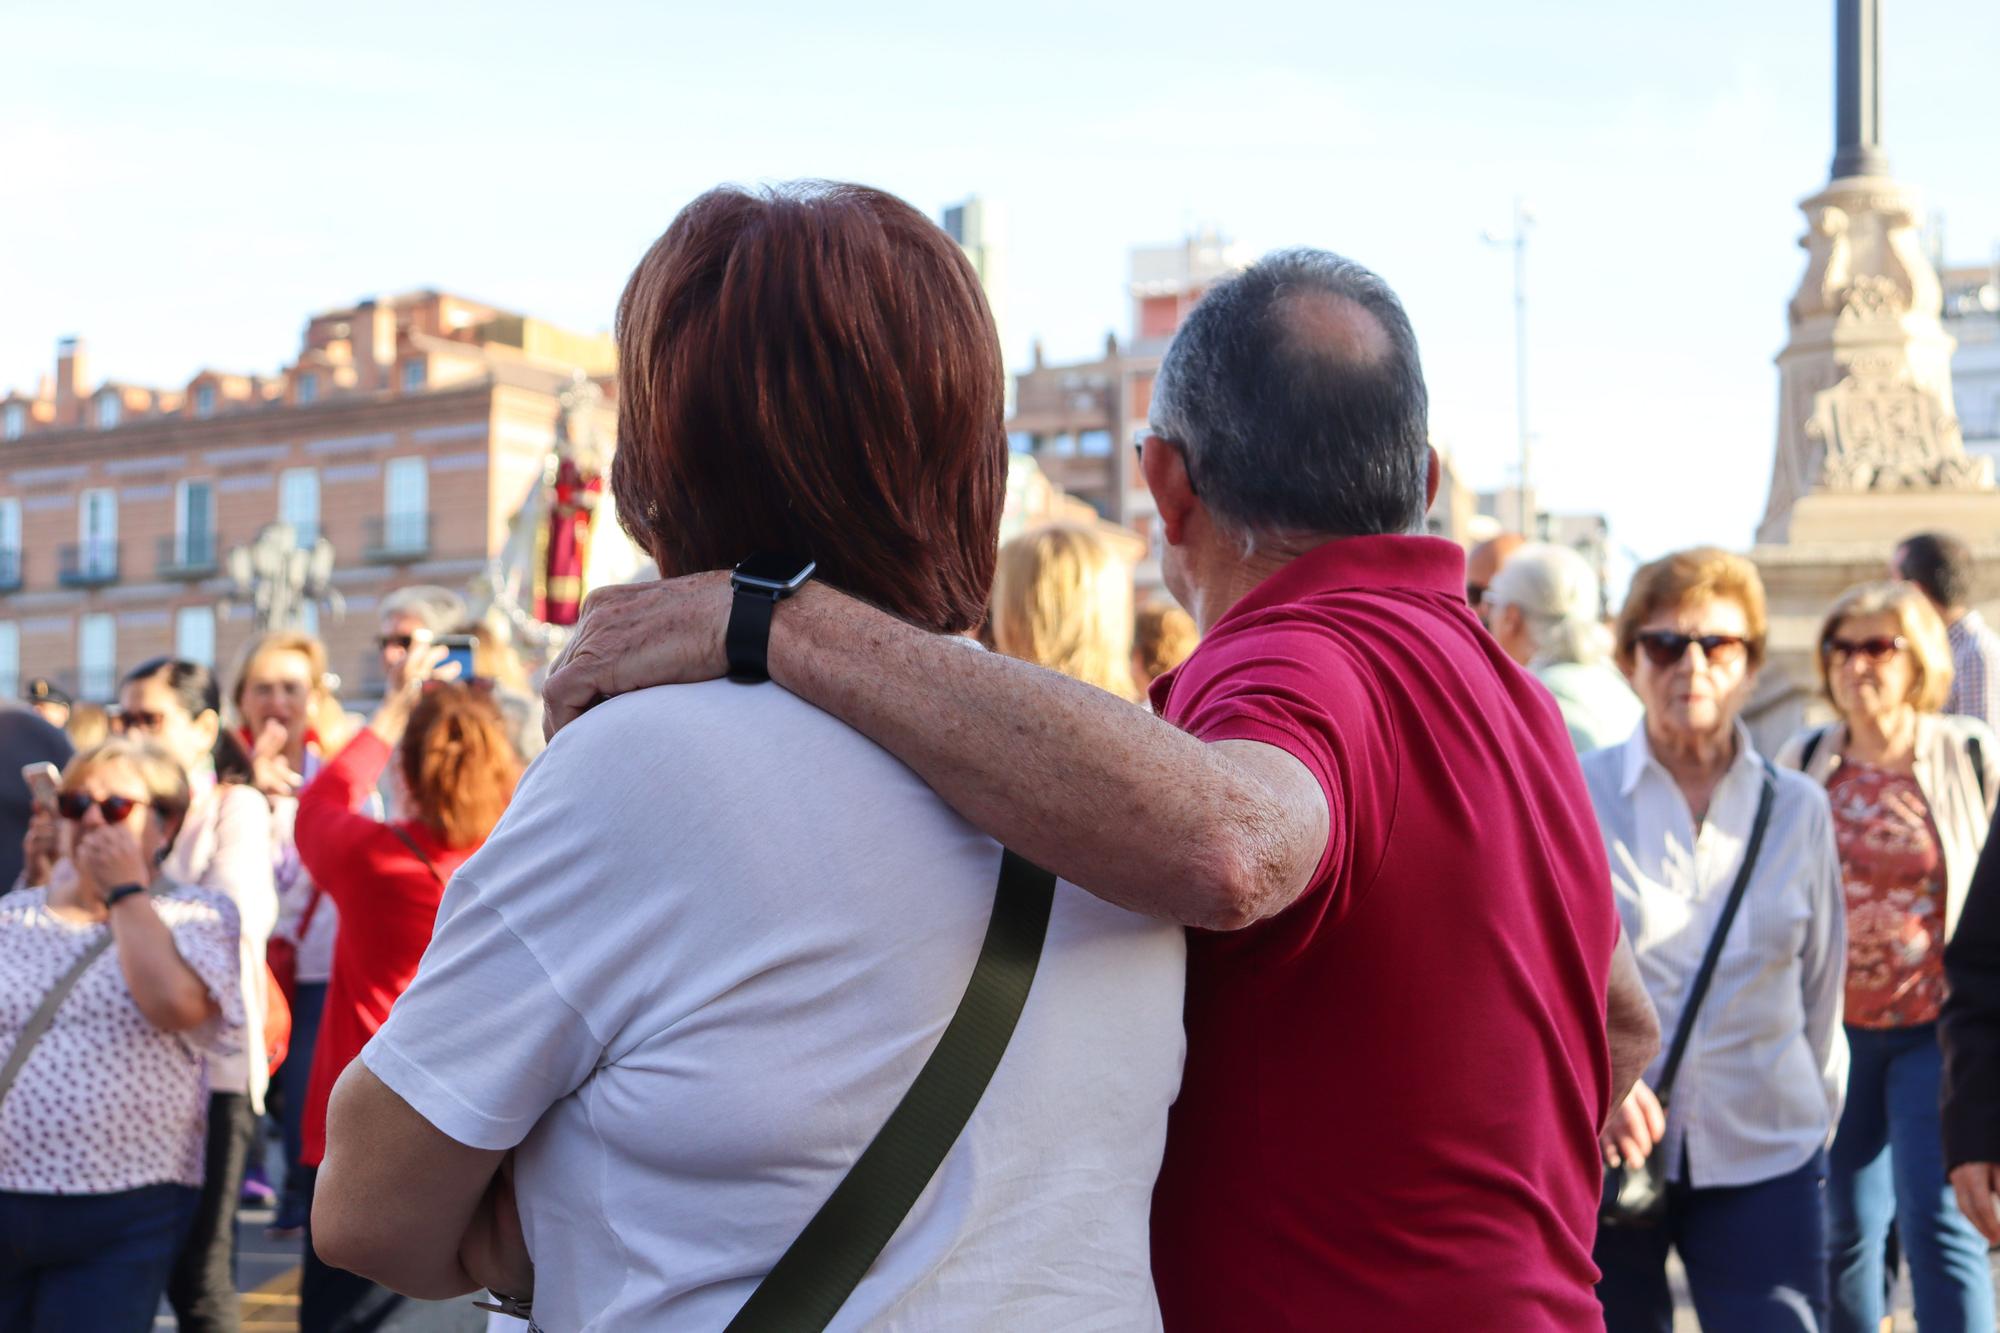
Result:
[779,573]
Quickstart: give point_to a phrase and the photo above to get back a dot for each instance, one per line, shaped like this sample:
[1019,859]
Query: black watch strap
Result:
[748,639]
[120,893]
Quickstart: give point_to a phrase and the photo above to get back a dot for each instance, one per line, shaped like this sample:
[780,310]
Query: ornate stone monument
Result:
[1868,446]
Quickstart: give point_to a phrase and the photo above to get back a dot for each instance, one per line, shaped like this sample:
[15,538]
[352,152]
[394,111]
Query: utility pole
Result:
[1524,515]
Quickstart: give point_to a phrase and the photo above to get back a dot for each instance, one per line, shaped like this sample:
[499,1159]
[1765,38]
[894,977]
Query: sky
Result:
[184,185]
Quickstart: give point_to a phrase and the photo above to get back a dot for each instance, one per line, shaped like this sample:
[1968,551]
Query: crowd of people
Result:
[1400,940]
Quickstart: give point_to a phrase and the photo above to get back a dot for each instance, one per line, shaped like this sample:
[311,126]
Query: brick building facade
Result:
[408,432]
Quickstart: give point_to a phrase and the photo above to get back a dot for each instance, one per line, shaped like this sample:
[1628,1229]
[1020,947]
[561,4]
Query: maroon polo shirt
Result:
[1389,1115]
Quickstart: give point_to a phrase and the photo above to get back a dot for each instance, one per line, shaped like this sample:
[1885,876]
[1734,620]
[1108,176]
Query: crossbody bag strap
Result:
[814,1277]
[45,1013]
[1706,973]
[403,836]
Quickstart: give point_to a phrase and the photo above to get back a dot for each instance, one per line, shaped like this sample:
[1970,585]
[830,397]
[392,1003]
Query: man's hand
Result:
[1636,1127]
[493,1251]
[633,636]
[1977,1185]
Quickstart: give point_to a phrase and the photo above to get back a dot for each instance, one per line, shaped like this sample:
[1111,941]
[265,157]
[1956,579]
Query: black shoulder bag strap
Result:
[814,1277]
[1706,973]
[1813,743]
[1977,754]
[411,843]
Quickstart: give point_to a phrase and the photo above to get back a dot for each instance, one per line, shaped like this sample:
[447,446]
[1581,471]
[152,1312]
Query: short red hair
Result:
[812,369]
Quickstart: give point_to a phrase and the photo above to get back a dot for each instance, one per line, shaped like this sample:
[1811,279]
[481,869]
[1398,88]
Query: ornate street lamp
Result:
[276,578]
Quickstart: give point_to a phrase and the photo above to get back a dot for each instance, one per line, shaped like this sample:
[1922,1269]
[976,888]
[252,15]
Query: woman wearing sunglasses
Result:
[103,1127]
[455,770]
[1912,792]
[225,847]
[1742,1131]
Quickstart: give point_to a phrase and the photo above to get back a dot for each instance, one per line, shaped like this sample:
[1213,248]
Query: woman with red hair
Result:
[456,770]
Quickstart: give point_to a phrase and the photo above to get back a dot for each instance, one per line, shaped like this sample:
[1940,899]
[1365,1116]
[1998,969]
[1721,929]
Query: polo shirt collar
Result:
[1639,758]
[1411,563]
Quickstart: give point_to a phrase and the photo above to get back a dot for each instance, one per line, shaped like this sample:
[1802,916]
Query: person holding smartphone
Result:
[26,742]
[103,1125]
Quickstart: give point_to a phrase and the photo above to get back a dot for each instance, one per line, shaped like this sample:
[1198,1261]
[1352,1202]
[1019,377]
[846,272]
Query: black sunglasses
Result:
[402,641]
[1475,593]
[137,719]
[74,805]
[1664,648]
[1879,649]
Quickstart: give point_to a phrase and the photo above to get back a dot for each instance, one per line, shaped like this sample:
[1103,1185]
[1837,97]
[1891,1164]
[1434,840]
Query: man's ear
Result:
[1164,467]
[1433,477]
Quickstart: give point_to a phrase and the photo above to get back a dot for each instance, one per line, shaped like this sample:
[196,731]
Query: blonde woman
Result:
[1912,791]
[1163,637]
[1062,598]
[103,1130]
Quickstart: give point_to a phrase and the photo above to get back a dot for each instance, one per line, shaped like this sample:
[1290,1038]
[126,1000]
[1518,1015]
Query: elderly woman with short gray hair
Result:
[1543,608]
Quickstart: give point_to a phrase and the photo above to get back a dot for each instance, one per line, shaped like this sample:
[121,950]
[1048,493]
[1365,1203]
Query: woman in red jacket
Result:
[456,770]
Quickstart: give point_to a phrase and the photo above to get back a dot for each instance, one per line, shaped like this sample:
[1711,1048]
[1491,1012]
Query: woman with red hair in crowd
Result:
[456,769]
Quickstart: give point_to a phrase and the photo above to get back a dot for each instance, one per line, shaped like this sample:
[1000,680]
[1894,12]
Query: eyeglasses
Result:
[1187,464]
[1879,649]
[1664,648]
[138,719]
[74,805]
[1475,595]
[402,641]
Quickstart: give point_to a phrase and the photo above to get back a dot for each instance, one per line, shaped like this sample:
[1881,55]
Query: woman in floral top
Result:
[1912,795]
[102,1132]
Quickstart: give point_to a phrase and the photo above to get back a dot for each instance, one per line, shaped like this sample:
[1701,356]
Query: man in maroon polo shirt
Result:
[1398,1046]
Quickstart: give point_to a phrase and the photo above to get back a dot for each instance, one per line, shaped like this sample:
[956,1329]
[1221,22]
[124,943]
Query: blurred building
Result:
[980,229]
[408,432]
[1972,317]
[1079,421]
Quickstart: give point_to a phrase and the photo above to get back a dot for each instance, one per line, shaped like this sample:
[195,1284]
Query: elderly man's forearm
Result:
[1090,786]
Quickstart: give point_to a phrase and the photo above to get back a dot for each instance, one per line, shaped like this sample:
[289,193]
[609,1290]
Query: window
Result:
[97,656]
[1020,442]
[309,618]
[10,660]
[298,503]
[108,411]
[413,376]
[97,533]
[194,523]
[194,634]
[15,423]
[308,389]
[1094,443]
[204,401]
[406,502]
[10,550]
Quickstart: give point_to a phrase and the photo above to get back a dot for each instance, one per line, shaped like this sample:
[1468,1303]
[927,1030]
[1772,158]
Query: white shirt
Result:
[1761,1086]
[225,847]
[106,1101]
[695,968]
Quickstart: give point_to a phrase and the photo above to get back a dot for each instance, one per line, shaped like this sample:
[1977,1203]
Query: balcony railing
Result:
[10,569]
[188,555]
[396,539]
[89,565]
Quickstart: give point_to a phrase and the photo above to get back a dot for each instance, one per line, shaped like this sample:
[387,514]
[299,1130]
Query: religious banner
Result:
[573,492]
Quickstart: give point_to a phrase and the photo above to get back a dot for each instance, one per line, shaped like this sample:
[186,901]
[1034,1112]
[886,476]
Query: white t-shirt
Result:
[695,968]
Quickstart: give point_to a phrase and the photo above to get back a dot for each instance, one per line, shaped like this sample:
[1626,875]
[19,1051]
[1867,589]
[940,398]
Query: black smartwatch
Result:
[118,894]
[761,582]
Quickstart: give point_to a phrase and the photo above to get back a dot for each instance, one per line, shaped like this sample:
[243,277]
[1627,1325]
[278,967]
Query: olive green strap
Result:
[814,1277]
[45,1013]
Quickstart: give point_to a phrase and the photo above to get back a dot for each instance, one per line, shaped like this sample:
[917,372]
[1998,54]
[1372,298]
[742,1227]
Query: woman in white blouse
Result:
[1759,1090]
[102,1130]
[224,846]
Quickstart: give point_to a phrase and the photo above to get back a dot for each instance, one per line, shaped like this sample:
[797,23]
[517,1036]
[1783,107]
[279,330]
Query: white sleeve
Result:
[482,1043]
[1824,958]
[241,869]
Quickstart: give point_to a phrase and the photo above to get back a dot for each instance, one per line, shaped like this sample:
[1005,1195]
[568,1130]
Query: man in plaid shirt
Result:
[1942,566]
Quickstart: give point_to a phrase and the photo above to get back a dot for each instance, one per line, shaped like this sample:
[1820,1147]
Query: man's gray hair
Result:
[1286,425]
[1558,594]
[440,609]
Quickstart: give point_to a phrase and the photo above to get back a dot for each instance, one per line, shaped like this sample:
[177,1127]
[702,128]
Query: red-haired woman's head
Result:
[812,369]
[459,767]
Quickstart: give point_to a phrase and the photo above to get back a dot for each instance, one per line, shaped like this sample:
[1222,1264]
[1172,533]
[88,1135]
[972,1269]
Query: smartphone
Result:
[42,780]
[458,648]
